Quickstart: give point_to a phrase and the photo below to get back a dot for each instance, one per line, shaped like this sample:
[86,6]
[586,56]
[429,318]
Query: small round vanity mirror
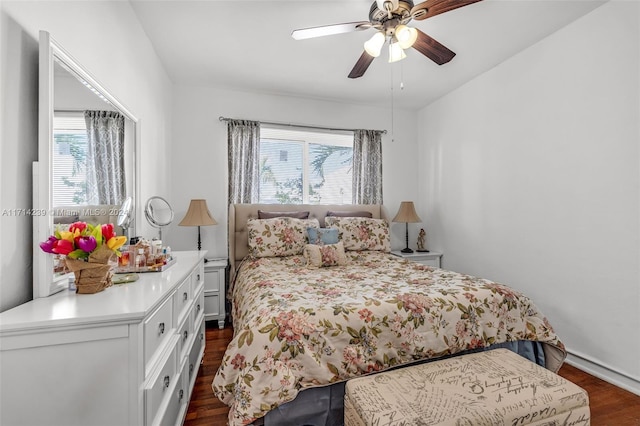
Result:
[158,212]
[124,216]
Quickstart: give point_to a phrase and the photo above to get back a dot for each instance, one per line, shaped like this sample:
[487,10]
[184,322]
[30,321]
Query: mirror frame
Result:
[45,283]
[154,221]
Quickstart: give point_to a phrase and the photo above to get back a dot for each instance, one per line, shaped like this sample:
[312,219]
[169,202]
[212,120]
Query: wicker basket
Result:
[94,275]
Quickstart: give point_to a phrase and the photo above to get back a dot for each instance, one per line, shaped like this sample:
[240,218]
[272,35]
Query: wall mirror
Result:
[86,168]
[159,213]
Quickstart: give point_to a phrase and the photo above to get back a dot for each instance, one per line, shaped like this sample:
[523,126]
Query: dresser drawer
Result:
[185,334]
[157,328]
[177,403]
[197,277]
[196,351]
[160,387]
[212,304]
[198,308]
[213,280]
[182,299]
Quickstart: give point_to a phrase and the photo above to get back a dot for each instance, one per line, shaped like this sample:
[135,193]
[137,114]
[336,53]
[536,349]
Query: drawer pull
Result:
[190,369]
[198,308]
[185,296]
[186,334]
[167,380]
[198,277]
[180,395]
[161,328]
[201,336]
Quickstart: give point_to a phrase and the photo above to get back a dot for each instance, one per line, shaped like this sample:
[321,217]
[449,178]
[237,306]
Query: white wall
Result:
[117,53]
[199,157]
[540,187]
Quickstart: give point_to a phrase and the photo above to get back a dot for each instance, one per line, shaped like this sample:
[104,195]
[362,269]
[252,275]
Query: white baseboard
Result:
[607,374]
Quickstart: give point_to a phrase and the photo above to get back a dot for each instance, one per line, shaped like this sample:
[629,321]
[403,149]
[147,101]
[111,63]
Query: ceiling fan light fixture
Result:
[396,53]
[373,46]
[406,36]
[387,5]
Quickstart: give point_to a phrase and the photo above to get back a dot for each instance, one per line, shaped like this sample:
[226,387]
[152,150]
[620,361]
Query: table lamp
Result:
[198,215]
[407,214]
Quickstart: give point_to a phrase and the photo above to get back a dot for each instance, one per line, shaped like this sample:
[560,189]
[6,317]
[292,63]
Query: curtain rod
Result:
[83,110]
[304,126]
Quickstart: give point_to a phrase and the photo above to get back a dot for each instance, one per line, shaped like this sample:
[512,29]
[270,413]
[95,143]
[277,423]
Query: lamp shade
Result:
[198,215]
[396,53]
[373,46]
[406,36]
[407,213]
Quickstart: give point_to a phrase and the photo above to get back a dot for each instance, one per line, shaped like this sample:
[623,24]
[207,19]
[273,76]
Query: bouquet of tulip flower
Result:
[88,250]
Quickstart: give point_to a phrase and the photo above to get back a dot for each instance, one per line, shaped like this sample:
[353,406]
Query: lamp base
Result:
[422,251]
[406,237]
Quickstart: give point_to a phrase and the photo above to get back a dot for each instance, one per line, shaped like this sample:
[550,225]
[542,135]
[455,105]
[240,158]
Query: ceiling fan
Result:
[390,19]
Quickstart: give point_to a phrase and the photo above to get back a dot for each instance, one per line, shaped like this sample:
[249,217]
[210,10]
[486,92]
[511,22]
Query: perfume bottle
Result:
[123,260]
[141,260]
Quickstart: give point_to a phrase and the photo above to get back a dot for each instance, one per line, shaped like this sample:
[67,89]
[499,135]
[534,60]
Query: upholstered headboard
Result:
[240,213]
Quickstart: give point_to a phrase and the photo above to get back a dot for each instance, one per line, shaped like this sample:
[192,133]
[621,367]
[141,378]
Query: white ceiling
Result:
[247,45]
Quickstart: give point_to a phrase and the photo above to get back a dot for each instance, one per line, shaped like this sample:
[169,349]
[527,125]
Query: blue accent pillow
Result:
[322,235]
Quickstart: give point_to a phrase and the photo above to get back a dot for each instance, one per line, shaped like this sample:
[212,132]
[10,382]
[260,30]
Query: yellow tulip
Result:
[66,235]
[115,243]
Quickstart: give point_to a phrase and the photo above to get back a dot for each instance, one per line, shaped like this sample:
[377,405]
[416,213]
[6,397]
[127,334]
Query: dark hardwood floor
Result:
[610,405]
[205,408]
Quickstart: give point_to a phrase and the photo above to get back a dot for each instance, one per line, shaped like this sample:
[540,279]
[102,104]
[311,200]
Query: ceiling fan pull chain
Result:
[392,115]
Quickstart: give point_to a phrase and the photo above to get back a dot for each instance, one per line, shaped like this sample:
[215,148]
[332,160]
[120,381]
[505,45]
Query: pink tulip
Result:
[48,245]
[87,244]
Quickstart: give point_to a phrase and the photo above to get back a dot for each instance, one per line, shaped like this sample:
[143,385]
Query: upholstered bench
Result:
[496,387]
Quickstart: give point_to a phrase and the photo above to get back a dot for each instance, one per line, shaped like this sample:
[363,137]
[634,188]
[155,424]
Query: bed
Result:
[309,312]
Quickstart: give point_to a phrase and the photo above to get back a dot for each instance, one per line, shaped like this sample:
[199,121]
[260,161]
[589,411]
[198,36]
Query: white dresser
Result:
[128,355]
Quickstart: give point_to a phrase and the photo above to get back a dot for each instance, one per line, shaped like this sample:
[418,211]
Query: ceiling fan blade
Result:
[430,8]
[326,30]
[432,49]
[361,66]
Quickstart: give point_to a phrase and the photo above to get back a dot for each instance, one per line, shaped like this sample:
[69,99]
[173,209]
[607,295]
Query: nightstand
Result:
[429,258]
[215,288]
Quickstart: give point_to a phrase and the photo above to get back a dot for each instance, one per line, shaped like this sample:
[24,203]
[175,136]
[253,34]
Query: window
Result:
[69,159]
[305,167]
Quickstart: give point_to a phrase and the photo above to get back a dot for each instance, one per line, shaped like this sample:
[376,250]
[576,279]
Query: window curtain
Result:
[105,157]
[243,137]
[367,167]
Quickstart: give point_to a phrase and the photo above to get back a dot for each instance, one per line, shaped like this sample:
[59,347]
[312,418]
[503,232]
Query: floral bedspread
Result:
[297,327]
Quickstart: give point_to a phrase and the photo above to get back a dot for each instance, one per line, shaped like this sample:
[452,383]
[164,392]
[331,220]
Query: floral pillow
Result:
[319,256]
[282,236]
[362,233]
[322,235]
